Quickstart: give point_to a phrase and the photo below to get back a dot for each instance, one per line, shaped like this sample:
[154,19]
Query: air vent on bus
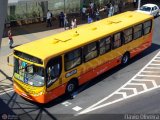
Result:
[94,28]
[75,34]
[58,40]
[113,22]
[130,16]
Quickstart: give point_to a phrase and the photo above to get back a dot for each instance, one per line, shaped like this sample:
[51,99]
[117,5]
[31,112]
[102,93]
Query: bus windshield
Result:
[28,73]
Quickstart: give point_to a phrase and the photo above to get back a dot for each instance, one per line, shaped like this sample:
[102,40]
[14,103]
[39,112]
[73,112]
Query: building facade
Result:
[37,9]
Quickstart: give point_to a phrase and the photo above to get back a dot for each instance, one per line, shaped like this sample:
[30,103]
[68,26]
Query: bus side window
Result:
[127,34]
[105,45]
[73,59]
[117,42]
[137,31]
[147,27]
[90,51]
[53,70]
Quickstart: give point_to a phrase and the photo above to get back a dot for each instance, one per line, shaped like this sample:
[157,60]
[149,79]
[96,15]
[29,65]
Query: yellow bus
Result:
[47,68]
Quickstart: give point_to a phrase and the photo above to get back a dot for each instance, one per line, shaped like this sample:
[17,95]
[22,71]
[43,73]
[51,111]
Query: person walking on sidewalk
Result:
[10,42]
[111,10]
[61,19]
[84,9]
[120,5]
[75,22]
[72,23]
[49,17]
[66,22]
[97,14]
[134,3]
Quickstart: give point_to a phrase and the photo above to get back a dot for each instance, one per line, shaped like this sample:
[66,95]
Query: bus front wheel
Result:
[71,87]
[125,59]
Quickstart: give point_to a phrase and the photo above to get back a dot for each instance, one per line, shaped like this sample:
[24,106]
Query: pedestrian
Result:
[134,3]
[66,22]
[107,9]
[75,22]
[49,17]
[90,20]
[61,19]
[91,4]
[84,9]
[116,8]
[120,5]
[97,15]
[111,10]
[72,24]
[10,38]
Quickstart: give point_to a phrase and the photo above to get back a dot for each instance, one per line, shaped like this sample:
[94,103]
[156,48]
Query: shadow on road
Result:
[24,110]
[7,77]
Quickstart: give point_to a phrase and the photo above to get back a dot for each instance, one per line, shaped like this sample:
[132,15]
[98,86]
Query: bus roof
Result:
[70,39]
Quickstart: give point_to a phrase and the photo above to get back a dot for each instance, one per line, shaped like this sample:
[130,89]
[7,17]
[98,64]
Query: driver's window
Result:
[53,70]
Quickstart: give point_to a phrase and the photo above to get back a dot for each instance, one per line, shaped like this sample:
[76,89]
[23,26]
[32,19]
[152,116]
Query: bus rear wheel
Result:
[125,59]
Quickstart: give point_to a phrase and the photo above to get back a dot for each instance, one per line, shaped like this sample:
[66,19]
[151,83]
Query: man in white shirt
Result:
[49,24]
[84,12]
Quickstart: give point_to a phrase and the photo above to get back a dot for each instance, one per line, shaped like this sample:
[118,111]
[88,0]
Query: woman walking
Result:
[10,38]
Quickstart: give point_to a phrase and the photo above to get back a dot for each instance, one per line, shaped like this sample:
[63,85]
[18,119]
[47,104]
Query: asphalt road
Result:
[63,108]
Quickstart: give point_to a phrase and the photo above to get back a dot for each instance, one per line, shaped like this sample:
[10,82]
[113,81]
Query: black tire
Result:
[71,87]
[125,59]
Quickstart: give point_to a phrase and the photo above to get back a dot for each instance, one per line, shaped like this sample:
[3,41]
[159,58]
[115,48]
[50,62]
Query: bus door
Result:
[53,73]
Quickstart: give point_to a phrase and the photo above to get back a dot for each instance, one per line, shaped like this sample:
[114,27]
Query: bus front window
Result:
[28,73]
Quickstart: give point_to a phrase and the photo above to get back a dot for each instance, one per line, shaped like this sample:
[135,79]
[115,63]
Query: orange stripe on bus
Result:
[99,70]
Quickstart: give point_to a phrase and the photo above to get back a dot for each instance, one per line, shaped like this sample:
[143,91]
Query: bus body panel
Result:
[45,97]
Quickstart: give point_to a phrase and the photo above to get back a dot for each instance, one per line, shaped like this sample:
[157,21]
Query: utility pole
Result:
[139,4]
[3,13]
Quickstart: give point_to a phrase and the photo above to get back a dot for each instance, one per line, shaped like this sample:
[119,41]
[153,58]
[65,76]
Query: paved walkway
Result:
[40,27]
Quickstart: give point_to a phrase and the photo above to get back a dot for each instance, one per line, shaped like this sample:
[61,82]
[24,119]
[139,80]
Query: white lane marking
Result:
[156,60]
[133,89]
[66,103]
[153,68]
[89,109]
[122,93]
[99,103]
[153,81]
[149,75]
[150,71]
[77,108]
[155,64]
[5,92]
[141,84]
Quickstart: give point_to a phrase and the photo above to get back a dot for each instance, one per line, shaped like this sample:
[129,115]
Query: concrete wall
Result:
[3,11]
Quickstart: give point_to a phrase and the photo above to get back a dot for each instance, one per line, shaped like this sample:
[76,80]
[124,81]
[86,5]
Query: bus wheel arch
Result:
[71,86]
[125,58]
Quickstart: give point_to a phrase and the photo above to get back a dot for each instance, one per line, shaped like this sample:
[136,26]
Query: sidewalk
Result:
[40,27]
